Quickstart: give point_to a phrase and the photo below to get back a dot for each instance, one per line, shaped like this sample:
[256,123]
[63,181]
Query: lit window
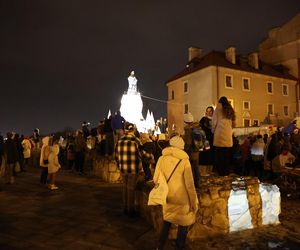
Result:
[186,108]
[246,105]
[186,87]
[285,89]
[228,81]
[270,87]
[246,84]
[246,122]
[286,110]
[255,122]
[271,109]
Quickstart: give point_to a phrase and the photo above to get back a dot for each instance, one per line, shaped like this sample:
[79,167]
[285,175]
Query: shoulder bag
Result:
[158,194]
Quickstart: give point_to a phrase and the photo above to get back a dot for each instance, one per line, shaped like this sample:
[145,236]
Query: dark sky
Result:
[63,62]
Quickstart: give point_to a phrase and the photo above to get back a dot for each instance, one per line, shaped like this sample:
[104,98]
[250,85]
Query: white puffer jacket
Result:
[182,193]
[53,164]
[26,148]
[44,150]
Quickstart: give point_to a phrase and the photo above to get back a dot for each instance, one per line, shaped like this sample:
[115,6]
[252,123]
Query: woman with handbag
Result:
[182,200]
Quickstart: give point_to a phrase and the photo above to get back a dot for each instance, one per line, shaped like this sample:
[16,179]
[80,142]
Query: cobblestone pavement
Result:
[86,213]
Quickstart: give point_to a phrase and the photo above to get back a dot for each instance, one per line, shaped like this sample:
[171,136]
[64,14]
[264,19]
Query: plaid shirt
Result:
[129,153]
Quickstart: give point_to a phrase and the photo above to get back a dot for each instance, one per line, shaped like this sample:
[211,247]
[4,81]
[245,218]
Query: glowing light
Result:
[132,106]
[270,197]
[109,114]
[238,211]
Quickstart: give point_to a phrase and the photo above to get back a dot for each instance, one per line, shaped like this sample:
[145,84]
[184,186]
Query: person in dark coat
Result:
[1,148]
[206,156]
[109,137]
[11,154]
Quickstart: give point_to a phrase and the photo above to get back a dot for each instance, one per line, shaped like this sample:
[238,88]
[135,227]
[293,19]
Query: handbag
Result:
[17,167]
[158,194]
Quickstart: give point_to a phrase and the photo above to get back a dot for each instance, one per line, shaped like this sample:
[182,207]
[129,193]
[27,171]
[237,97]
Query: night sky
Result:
[63,62]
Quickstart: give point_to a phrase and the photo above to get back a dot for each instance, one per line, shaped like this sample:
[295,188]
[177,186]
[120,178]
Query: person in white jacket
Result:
[222,127]
[26,152]
[182,200]
[53,166]
[45,151]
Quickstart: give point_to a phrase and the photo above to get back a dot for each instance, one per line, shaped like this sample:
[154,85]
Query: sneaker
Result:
[12,180]
[52,187]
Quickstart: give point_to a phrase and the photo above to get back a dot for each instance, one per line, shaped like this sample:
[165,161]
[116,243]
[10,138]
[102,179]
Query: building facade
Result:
[259,92]
[282,47]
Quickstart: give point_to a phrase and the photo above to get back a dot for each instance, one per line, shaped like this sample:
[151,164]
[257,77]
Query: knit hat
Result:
[177,141]
[188,117]
[129,127]
[161,137]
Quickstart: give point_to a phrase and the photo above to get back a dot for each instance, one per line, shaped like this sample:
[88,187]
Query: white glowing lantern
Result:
[270,197]
[238,211]
[152,121]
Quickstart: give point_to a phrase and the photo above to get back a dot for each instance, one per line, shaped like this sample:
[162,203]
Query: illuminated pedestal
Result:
[131,109]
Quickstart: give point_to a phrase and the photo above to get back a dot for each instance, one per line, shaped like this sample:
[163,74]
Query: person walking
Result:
[182,201]
[45,151]
[11,154]
[223,121]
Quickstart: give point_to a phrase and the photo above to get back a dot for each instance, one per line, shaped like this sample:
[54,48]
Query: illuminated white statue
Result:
[132,106]
[132,83]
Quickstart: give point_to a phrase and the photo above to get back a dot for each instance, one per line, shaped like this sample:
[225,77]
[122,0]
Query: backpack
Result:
[199,141]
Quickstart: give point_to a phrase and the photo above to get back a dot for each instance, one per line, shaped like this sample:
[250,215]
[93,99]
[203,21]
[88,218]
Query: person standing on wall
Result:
[190,147]
[223,121]
[117,125]
[206,156]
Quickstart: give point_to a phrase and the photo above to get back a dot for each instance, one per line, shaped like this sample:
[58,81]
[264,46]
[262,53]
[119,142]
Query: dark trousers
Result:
[79,161]
[44,175]
[181,236]
[70,164]
[258,167]
[129,184]
[147,170]
[222,160]
[196,172]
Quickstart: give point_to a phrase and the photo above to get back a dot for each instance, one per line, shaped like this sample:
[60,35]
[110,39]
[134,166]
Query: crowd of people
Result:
[208,146]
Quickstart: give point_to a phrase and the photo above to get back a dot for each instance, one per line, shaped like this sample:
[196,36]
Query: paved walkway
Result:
[86,213]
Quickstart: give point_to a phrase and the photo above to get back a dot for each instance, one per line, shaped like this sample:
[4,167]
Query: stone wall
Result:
[106,169]
[227,204]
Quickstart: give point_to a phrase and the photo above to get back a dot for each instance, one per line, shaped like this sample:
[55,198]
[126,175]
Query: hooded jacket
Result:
[182,193]
[53,164]
[26,148]
[45,151]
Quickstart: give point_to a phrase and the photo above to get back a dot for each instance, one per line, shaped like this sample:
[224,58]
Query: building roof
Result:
[217,58]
